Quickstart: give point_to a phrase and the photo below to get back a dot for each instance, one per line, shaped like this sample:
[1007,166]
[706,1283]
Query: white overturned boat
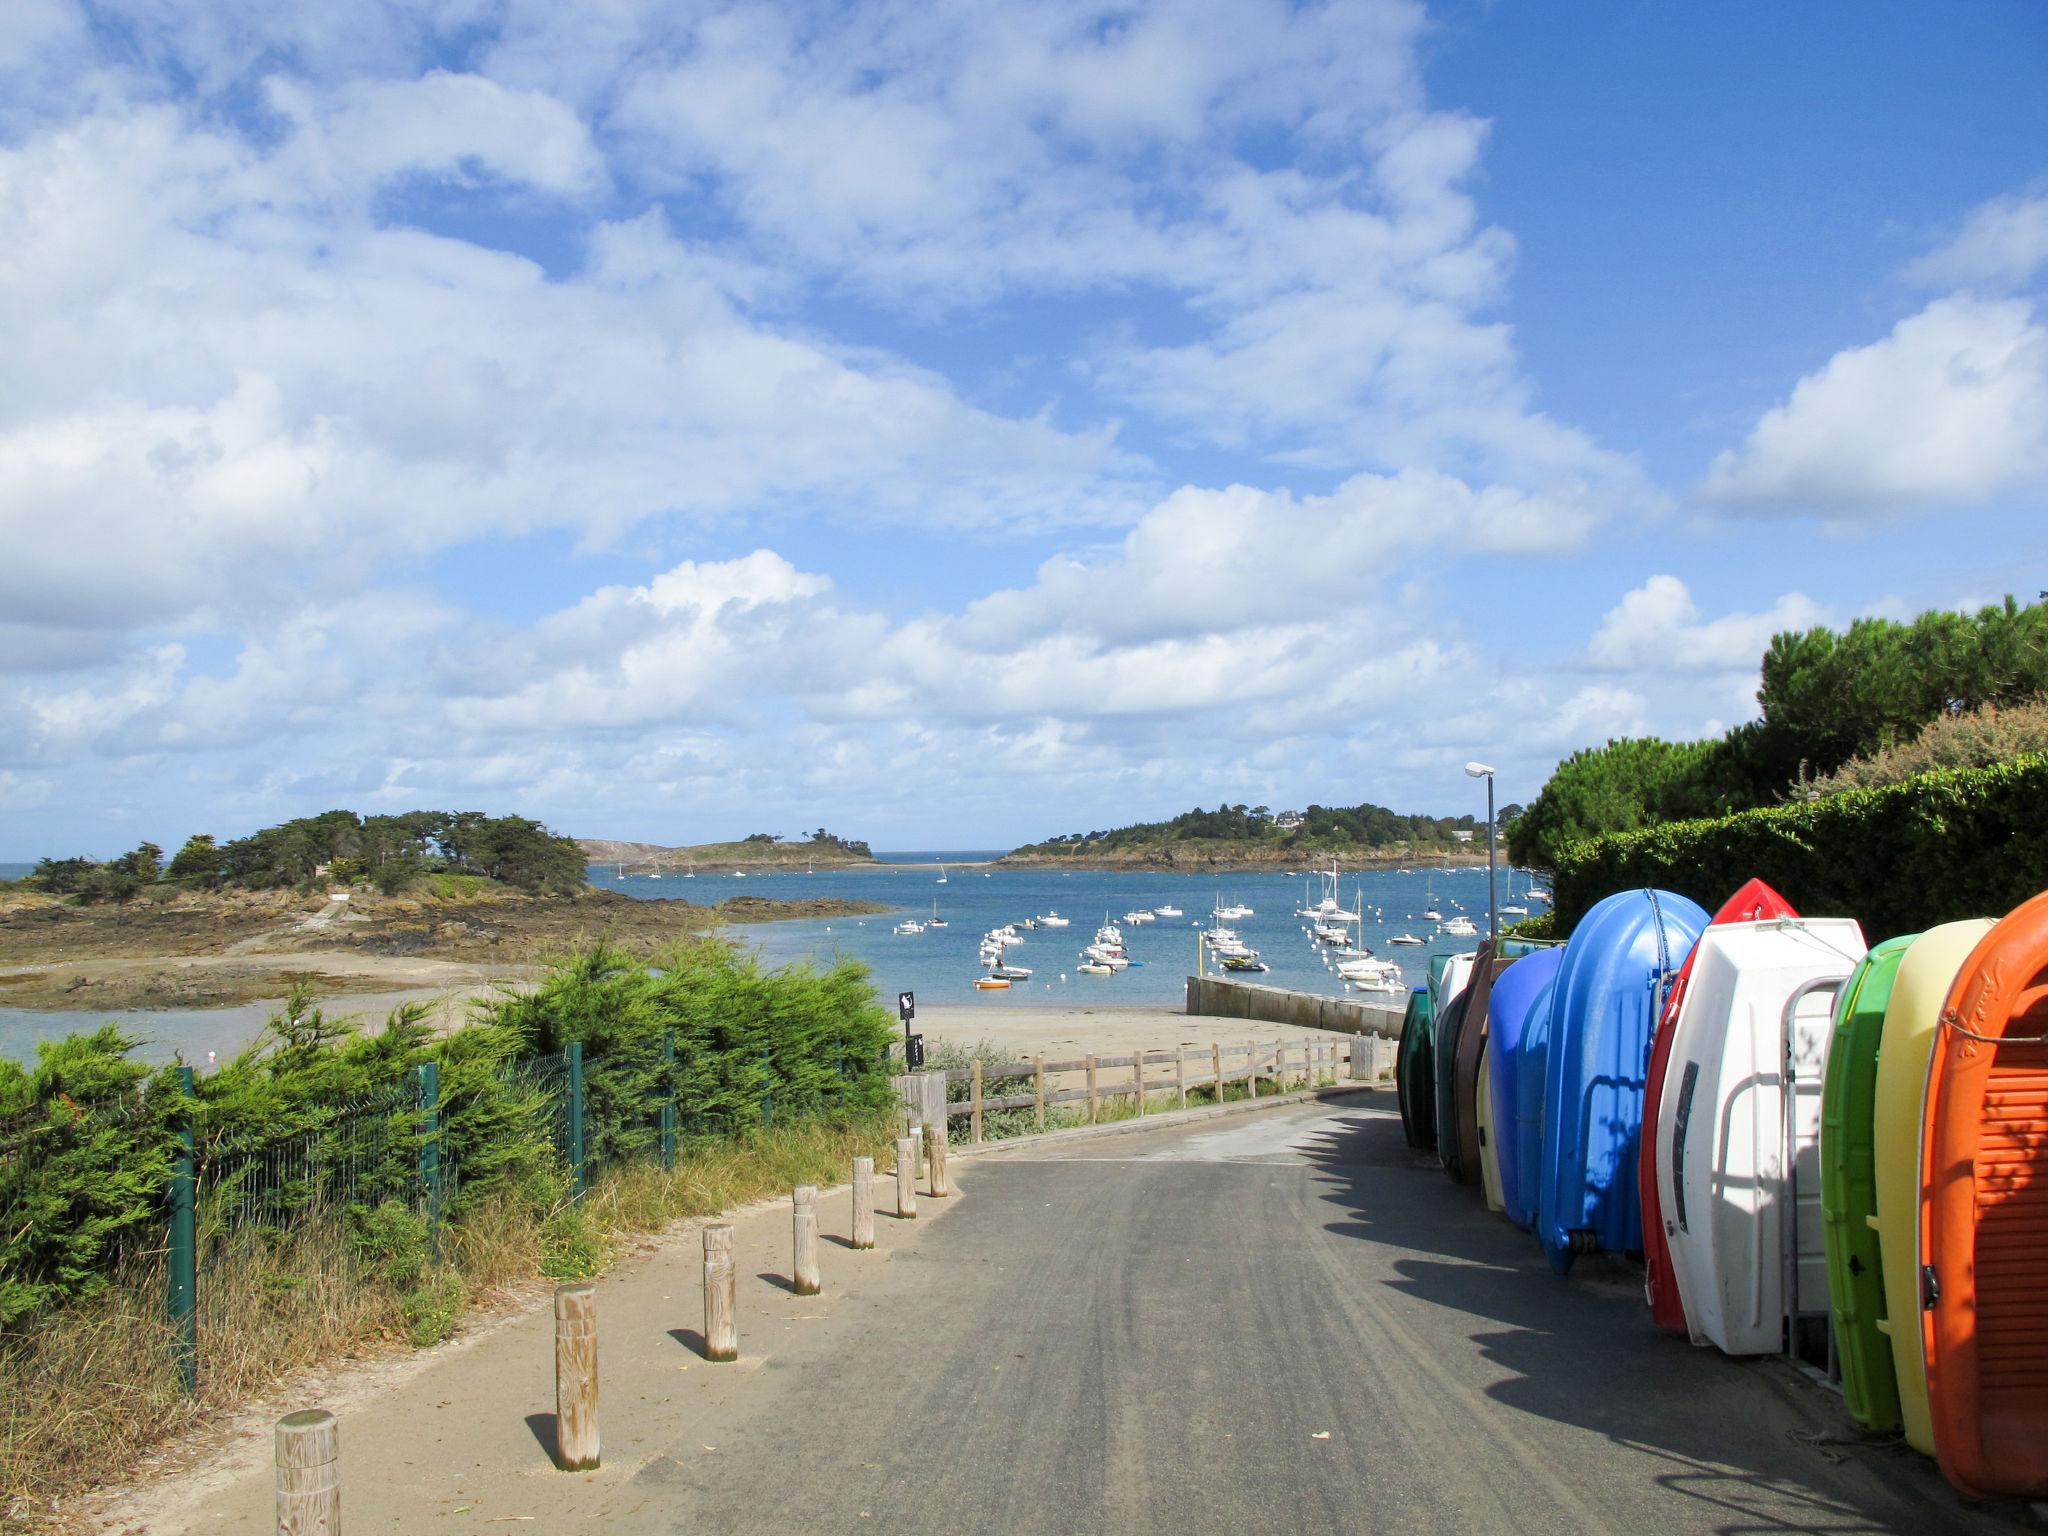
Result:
[1738,1141]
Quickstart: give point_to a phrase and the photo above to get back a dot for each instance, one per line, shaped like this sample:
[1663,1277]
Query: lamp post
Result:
[1481,771]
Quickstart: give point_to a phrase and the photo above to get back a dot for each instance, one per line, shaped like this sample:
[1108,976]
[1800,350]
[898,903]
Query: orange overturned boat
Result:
[1984,1215]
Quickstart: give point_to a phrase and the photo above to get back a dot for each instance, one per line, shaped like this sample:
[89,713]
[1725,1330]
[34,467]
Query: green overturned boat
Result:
[1415,1071]
[1848,1189]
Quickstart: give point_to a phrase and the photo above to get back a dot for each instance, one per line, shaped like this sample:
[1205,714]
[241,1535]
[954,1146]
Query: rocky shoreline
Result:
[207,950]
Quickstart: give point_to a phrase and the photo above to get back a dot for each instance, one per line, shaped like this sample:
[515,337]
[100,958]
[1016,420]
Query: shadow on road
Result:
[1744,1436]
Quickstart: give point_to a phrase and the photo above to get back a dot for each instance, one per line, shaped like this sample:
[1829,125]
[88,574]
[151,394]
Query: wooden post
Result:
[721,1294]
[1359,1070]
[974,1114]
[1091,1090]
[1216,1052]
[863,1202]
[1180,1074]
[803,1221]
[935,1139]
[308,1474]
[1251,1070]
[906,1177]
[1038,1091]
[1138,1081]
[576,1376]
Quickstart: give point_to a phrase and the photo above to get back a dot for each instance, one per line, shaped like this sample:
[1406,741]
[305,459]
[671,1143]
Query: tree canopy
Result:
[1826,698]
[1321,827]
[392,851]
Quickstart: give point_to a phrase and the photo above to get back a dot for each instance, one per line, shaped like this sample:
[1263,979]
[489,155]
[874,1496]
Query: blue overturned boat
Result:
[1519,1035]
[1604,1006]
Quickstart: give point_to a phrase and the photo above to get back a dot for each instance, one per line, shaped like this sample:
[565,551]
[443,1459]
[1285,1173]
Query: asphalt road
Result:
[1283,1323]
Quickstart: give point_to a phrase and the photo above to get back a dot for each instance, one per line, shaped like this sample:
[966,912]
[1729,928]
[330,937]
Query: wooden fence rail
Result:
[1151,1073]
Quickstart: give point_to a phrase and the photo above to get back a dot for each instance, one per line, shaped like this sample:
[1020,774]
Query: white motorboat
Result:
[1095,968]
[1136,918]
[1011,972]
[1404,938]
[1514,911]
[1168,912]
[1461,927]
[1054,920]
[910,925]
[1101,956]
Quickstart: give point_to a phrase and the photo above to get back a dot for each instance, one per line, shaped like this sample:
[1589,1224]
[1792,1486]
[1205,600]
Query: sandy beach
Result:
[1070,1032]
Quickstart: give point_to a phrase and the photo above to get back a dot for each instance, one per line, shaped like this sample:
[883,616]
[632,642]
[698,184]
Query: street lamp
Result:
[1481,771]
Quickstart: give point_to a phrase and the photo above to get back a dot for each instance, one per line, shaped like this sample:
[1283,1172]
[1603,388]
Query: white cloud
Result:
[1658,628]
[2002,244]
[214,390]
[1951,407]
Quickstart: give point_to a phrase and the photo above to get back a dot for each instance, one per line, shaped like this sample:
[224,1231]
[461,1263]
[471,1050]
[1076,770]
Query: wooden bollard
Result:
[1138,1081]
[1038,1092]
[1091,1090]
[935,1139]
[1216,1055]
[974,1096]
[863,1202]
[308,1450]
[1251,1070]
[576,1376]
[1180,1074]
[803,1267]
[906,1177]
[721,1294]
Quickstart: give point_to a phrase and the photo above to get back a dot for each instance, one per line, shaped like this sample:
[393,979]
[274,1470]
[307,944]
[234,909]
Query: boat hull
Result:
[1489,1143]
[1610,989]
[1848,1190]
[1737,1157]
[1984,1215]
[1921,986]
[1518,1030]
[1415,1071]
[1458,1102]
[1754,901]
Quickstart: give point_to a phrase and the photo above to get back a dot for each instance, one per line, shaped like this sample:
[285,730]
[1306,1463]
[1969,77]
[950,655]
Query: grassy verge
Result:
[87,1390]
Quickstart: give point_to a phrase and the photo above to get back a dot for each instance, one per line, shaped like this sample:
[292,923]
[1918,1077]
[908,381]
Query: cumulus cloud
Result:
[2002,244]
[1658,628]
[1951,407]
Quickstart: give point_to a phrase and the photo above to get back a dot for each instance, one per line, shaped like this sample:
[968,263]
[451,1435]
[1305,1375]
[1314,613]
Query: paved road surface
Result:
[1149,1334]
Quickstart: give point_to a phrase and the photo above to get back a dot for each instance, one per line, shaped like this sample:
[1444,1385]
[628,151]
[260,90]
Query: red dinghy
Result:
[1753,903]
[1984,1215]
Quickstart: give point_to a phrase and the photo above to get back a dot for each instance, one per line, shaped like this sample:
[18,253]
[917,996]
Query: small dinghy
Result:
[1984,1216]
[1449,1025]
[1457,1069]
[1489,1158]
[1415,1071]
[1737,1151]
[1610,990]
[1752,903]
[1848,1190]
[1518,1028]
[1910,1018]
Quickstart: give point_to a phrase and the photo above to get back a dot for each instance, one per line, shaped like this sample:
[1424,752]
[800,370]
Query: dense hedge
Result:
[319,1115]
[1958,843]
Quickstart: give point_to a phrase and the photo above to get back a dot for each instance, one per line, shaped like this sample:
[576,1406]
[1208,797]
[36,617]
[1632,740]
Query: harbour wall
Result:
[1220,998]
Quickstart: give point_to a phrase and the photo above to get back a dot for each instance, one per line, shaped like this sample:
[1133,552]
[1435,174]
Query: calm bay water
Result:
[940,964]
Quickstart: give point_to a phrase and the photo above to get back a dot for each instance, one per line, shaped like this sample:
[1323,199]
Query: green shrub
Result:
[1899,858]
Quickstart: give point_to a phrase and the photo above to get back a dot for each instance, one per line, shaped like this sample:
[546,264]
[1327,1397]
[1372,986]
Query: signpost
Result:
[913,1044]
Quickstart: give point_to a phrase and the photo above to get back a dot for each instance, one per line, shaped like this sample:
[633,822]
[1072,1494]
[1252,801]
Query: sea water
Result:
[939,965]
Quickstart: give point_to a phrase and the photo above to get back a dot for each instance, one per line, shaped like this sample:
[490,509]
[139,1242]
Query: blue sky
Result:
[958,425]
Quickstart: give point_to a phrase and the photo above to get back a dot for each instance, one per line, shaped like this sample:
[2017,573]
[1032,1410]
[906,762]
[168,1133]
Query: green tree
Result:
[200,859]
